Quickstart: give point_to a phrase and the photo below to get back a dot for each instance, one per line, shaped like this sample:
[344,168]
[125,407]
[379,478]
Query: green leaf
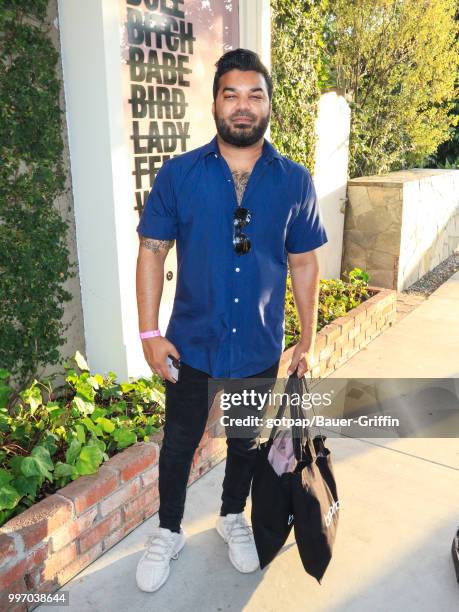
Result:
[38,464]
[80,432]
[9,497]
[92,427]
[106,424]
[81,361]
[15,464]
[73,451]
[32,396]
[5,476]
[124,437]
[62,470]
[5,393]
[89,460]
[83,406]
[26,485]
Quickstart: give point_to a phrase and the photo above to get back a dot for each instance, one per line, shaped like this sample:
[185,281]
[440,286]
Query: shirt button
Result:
[236,299]
[237,269]
[234,330]
[215,155]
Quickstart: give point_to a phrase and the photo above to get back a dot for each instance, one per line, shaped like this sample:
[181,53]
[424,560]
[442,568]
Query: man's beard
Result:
[241,137]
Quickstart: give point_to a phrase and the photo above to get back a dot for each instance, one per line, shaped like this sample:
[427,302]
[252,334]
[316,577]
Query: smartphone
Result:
[173,365]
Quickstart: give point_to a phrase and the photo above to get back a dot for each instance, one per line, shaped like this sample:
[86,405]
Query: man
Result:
[240,212]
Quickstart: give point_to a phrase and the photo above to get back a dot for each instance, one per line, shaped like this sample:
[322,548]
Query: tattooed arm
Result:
[156,245]
[149,286]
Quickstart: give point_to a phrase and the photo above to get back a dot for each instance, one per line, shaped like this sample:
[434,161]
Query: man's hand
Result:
[156,351]
[303,358]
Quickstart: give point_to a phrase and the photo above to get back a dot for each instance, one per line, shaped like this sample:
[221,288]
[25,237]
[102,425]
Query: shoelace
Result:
[158,545]
[239,531]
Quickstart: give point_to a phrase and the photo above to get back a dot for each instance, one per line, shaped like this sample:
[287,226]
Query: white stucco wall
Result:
[330,176]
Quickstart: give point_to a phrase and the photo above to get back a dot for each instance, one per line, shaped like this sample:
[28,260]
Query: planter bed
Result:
[44,547]
[339,340]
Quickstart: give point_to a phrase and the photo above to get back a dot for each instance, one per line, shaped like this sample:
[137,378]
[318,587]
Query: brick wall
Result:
[339,340]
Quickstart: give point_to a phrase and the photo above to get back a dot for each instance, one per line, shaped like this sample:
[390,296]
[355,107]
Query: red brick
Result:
[80,563]
[140,503]
[150,476]
[333,360]
[331,332]
[134,460]
[38,522]
[326,352]
[354,332]
[54,564]
[345,323]
[12,574]
[72,531]
[388,308]
[127,526]
[320,340]
[99,531]
[361,339]
[35,560]
[117,499]
[13,588]
[361,316]
[88,490]
[315,372]
[371,331]
[347,347]
[8,549]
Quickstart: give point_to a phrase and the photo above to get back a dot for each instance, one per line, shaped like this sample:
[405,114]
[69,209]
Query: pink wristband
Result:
[149,334]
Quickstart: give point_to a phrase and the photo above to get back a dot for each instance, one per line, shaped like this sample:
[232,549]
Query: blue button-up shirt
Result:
[228,313]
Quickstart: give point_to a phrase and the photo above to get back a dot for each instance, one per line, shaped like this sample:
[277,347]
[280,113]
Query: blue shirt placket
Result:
[236,285]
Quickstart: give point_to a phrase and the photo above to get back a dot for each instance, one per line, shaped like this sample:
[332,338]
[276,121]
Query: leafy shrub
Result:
[336,297]
[51,437]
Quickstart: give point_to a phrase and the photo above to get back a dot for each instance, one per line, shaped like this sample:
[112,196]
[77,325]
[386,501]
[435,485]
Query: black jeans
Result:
[186,412]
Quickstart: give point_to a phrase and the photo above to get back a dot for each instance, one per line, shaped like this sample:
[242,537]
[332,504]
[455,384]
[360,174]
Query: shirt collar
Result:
[269,152]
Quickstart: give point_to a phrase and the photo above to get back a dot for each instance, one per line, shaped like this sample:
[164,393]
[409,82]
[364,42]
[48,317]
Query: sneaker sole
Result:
[243,571]
[177,550]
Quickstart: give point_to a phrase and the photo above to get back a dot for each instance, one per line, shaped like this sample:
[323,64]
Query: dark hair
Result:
[241,59]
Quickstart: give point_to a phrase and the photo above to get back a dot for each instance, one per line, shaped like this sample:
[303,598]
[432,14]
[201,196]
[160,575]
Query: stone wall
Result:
[400,225]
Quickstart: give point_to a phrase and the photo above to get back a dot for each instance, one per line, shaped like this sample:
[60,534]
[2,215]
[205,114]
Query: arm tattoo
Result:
[241,178]
[156,245]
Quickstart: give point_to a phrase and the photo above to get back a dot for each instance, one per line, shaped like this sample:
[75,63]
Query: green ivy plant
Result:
[336,298]
[297,70]
[50,437]
[34,256]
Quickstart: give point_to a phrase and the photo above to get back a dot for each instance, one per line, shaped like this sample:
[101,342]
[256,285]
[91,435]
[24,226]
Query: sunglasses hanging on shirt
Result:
[241,242]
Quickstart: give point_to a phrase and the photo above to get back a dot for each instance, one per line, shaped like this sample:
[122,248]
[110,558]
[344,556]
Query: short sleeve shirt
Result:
[228,312]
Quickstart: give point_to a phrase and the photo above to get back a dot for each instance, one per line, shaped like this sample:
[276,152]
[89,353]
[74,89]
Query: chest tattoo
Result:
[240,178]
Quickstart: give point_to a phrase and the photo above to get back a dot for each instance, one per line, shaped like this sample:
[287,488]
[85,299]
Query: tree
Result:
[396,61]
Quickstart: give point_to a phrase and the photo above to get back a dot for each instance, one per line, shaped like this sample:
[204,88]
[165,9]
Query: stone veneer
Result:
[400,225]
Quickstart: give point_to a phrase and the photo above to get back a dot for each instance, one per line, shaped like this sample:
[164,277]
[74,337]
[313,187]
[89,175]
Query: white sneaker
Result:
[153,567]
[234,529]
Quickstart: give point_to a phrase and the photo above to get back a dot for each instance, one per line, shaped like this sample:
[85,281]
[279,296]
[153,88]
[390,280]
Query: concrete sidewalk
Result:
[399,509]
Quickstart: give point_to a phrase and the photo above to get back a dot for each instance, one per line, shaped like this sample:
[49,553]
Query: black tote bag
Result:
[271,513]
[306,498]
